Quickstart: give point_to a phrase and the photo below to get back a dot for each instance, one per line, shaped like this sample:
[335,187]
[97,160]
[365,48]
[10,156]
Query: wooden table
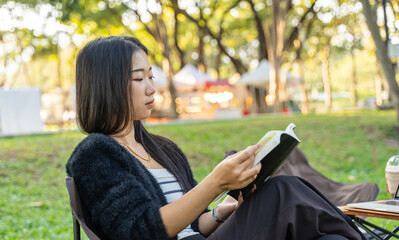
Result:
[356,213]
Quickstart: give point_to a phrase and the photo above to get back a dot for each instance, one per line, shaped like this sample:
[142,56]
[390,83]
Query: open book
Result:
[275,147]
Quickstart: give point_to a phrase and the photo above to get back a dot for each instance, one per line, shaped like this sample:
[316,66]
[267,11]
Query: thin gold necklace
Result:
[136,154]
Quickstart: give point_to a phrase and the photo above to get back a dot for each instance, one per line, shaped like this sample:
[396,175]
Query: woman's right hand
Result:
[236,170]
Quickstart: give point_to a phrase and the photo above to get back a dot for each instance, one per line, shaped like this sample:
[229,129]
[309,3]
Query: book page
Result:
[270,140]
[265,139]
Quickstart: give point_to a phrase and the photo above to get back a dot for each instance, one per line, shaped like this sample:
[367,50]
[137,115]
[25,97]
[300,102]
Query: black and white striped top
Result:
[172,191]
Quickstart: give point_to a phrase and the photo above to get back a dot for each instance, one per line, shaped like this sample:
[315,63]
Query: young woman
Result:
[136,185]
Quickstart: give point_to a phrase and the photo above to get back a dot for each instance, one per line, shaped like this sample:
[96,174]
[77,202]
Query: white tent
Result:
[190,77]
[160,80]
[259,77]
[20,111]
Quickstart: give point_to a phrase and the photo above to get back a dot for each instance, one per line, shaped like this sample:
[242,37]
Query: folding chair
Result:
[77,212]
[338,193]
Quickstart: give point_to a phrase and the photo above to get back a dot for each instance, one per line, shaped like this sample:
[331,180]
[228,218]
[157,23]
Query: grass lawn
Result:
[346,147]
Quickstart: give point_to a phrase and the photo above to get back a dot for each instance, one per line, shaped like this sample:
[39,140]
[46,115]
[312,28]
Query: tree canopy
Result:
[220,37]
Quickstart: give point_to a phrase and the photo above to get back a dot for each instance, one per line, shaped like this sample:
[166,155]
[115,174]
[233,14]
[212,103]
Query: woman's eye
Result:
[141,79]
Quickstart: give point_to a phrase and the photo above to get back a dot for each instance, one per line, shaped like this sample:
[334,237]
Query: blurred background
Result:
[211,59]
[329,66]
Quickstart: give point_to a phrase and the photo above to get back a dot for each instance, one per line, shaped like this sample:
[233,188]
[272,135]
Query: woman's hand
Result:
[236,171]
[228,206]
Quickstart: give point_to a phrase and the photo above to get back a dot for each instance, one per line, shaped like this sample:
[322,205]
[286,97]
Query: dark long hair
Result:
[105,105]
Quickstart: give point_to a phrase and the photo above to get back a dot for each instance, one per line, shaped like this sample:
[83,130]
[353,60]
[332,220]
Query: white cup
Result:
[392,175]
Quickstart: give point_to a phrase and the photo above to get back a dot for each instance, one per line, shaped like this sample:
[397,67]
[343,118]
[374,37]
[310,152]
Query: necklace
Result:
[136,154]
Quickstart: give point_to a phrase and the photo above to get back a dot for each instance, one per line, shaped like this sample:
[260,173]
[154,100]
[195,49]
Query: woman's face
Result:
[142,85]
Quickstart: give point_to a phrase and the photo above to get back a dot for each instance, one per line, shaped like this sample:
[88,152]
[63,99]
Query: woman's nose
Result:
[150,87]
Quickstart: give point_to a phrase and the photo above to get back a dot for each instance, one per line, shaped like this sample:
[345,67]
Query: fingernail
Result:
[254,186]
[257,146]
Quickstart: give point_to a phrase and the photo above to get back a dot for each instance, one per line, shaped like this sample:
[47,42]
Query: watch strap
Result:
[215,216]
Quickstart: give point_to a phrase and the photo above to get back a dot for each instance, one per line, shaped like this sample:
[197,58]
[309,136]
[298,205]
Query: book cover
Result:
[275,148]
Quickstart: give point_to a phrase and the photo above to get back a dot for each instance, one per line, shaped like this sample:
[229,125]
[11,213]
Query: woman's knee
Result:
[277,184]
[331,237]
[282,180]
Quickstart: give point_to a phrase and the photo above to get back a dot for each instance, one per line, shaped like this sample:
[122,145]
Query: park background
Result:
[337,52]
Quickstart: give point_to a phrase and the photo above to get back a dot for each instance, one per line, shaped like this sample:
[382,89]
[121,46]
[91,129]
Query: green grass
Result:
[346,147]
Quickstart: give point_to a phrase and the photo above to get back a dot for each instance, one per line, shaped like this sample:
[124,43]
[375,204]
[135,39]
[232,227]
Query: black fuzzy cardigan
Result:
[119,196]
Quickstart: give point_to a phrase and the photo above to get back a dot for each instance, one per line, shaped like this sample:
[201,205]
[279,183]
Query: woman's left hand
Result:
[228,206]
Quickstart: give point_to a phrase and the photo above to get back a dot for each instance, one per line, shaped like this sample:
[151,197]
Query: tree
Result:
[275,45]
[109,18]
[157,29]
[203,24]
[326,73]
[296,41]
[21,42]
[351,26]
[382,55]
[261,33]
[276,41]
[180,52]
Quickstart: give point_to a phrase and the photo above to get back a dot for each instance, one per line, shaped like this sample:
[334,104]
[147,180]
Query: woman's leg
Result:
[332,237]
[285,208]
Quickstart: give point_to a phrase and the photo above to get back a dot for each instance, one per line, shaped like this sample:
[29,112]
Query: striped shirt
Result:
[172,191]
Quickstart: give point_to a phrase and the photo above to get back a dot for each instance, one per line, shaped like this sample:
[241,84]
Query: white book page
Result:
[272,143]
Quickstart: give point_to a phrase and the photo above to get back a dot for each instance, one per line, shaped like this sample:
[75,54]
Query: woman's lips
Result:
[150,103]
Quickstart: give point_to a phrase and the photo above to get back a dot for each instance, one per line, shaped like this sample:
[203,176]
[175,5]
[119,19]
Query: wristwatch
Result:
[215,217]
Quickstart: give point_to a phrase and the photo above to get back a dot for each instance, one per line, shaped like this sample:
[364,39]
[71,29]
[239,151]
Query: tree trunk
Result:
[304,99]
[385,87]
[304,91]
[201,51]
[176,40]
[166,64]
[59,72]
[378,87]
[260,95]
[218,63]
[4,78]
[255,103]
[382,55]
[261,33]
[297,43]
[354,79]
[275,46]
[274,86]
[326,77]
[167,68]
[4,81]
